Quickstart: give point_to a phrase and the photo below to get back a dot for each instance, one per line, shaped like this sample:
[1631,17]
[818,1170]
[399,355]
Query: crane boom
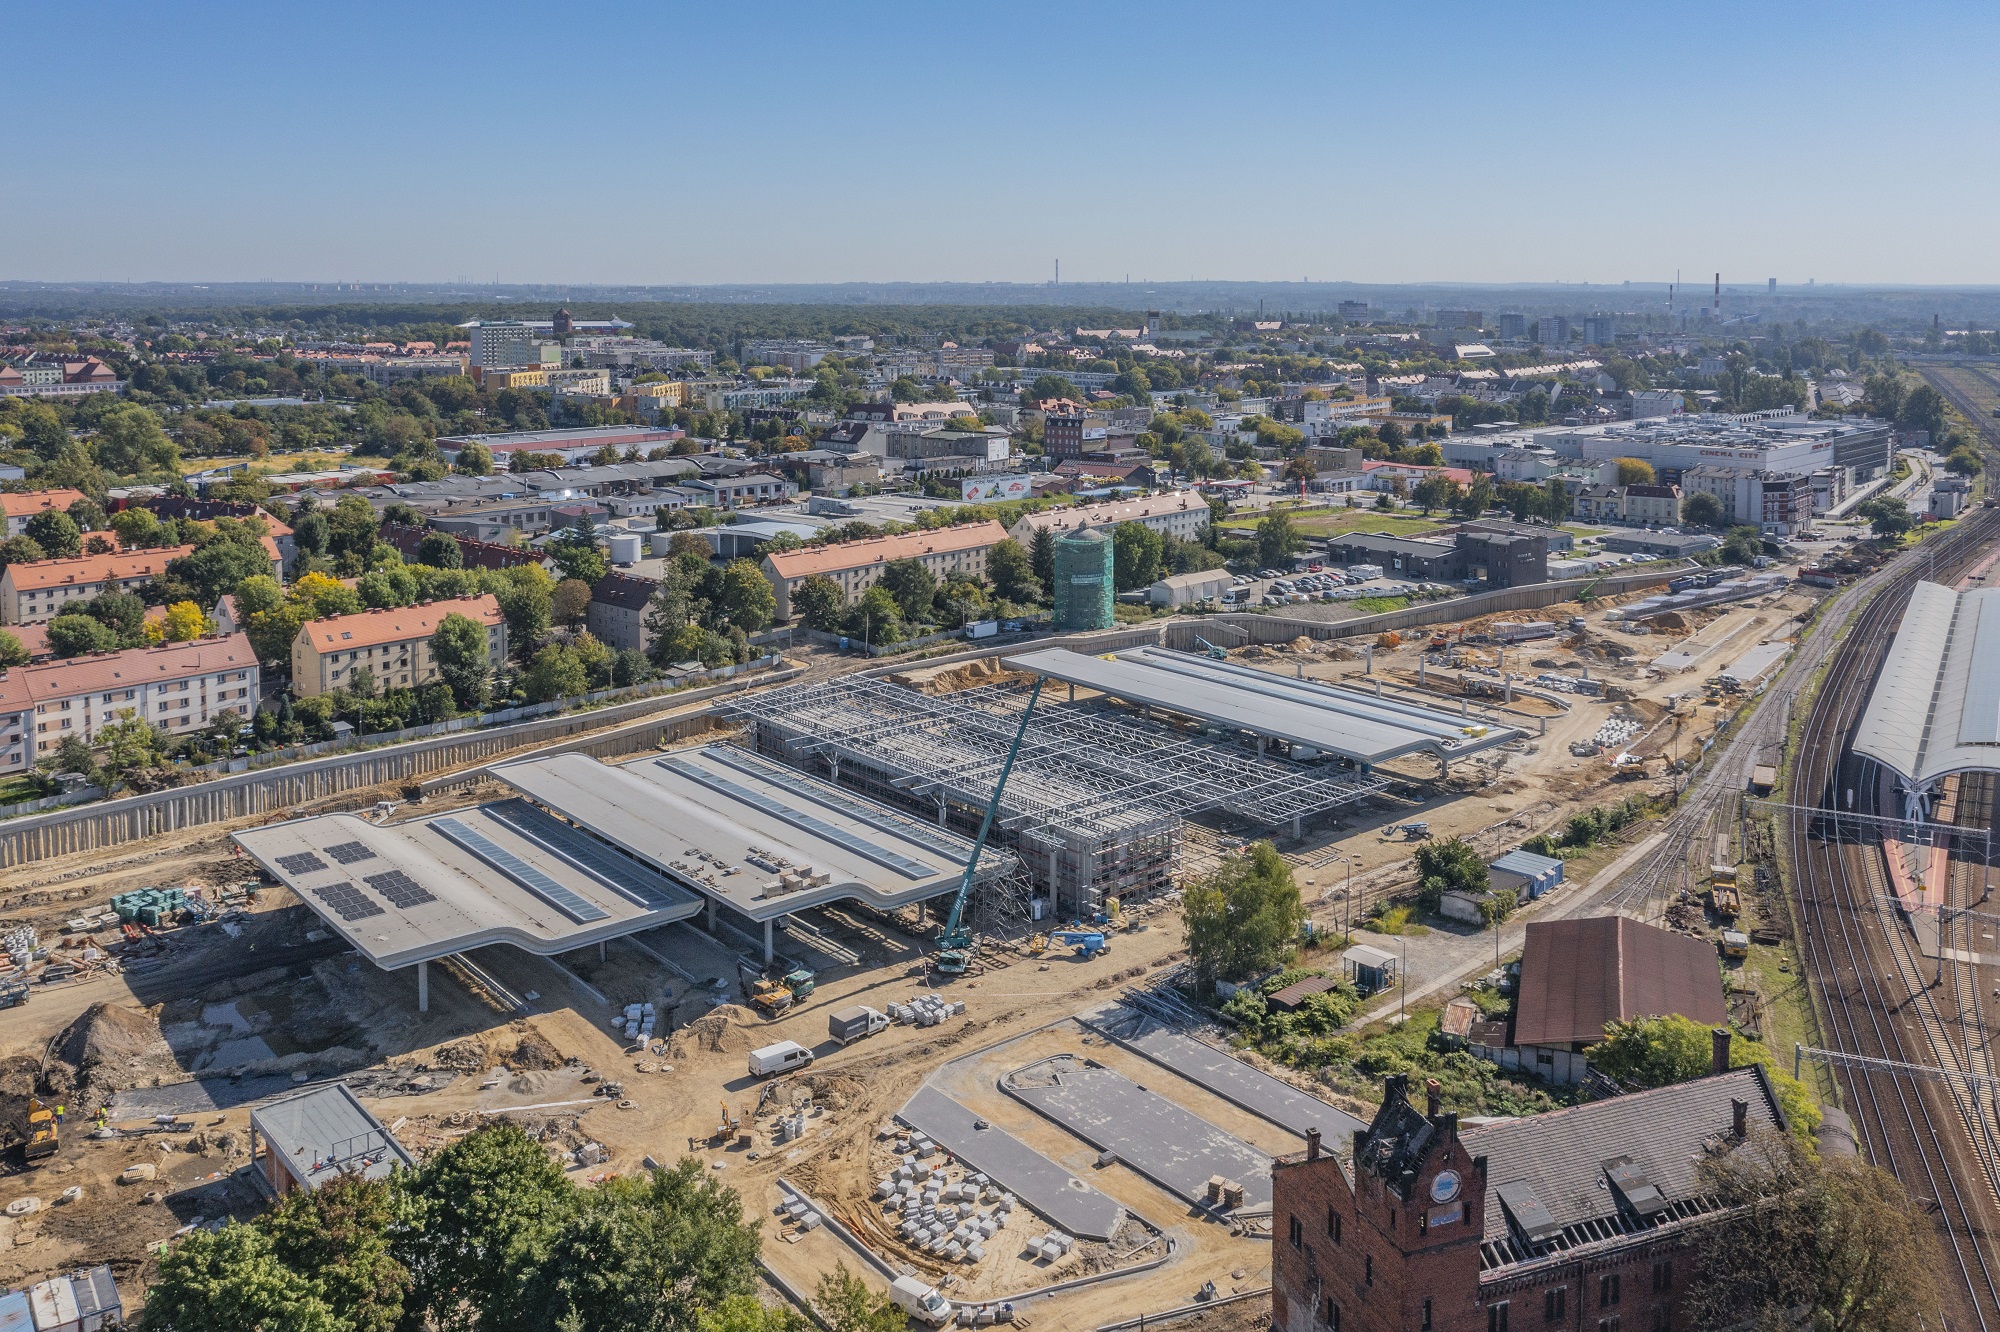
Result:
[953,938]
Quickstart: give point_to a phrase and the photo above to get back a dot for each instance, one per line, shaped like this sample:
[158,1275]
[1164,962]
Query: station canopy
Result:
[502,873]
[1936,705]
[763,838]
[1365,728]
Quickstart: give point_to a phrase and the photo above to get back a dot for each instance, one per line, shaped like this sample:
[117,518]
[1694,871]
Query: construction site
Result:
[896,951]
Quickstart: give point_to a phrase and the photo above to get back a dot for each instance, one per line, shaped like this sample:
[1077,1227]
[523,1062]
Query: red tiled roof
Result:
[804,563]
[25,686]
[86,569]
[371,628]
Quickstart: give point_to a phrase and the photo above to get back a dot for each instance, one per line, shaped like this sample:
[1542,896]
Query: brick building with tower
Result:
[1575,1219]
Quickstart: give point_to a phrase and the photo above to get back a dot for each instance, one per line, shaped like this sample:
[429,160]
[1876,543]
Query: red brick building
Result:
[1576,1219]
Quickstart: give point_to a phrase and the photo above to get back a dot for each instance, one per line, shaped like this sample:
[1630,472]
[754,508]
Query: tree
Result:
[912,585]
[1011,571]
[1278,540]
[1042,558]
[818,602]
[527,601]
[73,634]
[232,1280]
[1744,545]
[1451,864]
[1702,509]
[128,744]
[570,602]
[458,646]
[351,532]
[56,533]
[483,1213]
[1053,386]
[746,598]
[1300,470]
[1475,499]
[130,442]
[337,1237]
[1435,491]
[556,673]
[123,611]
[184,622]
[473,460]
[1923,409]
[847,1304]
[440,550]
[1242,918]
[1634,472]
[221,561]
[655,1251]
[11,651]
[746,1313]
[1660,1051]
[1136,551]
[73,754]
[310,532]
[1392,434]
[875,617]
[1887,516]
[1837,1240]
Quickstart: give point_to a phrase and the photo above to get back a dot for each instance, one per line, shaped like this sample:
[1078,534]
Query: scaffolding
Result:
[1097,804]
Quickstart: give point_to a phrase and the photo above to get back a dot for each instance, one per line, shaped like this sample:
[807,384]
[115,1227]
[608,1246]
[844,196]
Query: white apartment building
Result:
[1177,513]
[181,687]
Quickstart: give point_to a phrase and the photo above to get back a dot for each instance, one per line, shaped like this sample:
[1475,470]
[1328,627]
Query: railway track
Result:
[1868,998]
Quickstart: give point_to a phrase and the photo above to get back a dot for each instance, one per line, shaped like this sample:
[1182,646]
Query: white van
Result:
[920,1301]
[780,1058]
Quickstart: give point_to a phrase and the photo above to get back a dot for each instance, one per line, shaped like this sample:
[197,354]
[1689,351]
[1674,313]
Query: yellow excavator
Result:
[40,1130]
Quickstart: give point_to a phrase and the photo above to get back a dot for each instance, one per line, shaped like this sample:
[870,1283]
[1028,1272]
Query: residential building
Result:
[394,645]
[1327,458]
[23,505]
[472,552]
[617,615]
[1598,504]
[797,355]
[1459,319]
[60,376]
[1656,402]
[1576,1218]
[1778,505]
[856,566]
[42,589]
[1073,434]
[180,686]
[1600,330]
[635,354]
[1552,330]
[759,393]
[1182,514]
[505,343]
[1513,327]
[1652,505]
[1384,475]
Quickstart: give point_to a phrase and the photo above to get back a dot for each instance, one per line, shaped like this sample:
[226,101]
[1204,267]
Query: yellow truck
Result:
[1722,891]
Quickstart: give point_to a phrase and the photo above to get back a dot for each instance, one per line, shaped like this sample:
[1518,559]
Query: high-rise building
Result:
[1513,326]
[1552,330]
[1599,330]
[497,343]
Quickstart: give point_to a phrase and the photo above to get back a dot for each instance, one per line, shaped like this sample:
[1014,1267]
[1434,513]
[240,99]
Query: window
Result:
[1297,1233]
[1607,1290]
[1368,1269]
[1663,1318]
[1332,1224]
[1555,1303]
[1663,1276]
[1427,1315]
[1330,1315]
[1496,1317]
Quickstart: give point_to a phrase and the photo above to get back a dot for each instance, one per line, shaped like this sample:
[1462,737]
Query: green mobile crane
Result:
[954,951]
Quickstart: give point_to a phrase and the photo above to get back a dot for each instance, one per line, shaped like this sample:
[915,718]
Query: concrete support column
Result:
[601,955]
[769,951]
[423,987]
[711,915]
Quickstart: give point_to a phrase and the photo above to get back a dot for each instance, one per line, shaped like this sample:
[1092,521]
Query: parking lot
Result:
[1313,582]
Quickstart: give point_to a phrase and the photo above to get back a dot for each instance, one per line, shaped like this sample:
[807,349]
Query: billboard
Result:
[980,489]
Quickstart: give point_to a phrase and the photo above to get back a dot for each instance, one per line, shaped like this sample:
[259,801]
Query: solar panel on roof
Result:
[587,853]
[300,862]
[401,890]
[520,871]
[908,868]
[346,901]
[349,852]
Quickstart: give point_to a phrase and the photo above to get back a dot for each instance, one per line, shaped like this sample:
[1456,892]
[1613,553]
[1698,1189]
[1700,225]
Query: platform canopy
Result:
[764,839]
[503,873]
[1936,705]
[1331,719]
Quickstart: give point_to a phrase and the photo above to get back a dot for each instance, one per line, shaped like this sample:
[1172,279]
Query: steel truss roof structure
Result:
[1080,770]
[1936,705]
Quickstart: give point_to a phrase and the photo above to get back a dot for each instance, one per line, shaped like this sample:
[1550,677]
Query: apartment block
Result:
[41,590]
[22,506]
[856,566]
[179,686]
[394,645]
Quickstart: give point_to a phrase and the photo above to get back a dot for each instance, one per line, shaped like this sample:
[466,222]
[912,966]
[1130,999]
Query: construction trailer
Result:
[1098,802]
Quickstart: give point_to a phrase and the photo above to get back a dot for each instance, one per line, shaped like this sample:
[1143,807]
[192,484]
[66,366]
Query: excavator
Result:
[954,950]
[773,995]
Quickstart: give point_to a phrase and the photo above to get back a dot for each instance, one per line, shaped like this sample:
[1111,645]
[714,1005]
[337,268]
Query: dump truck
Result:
[781,1057]
[855,1022]
[41,1131]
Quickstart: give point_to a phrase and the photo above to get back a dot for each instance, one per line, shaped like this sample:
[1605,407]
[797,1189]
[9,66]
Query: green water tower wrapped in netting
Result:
[1084,589]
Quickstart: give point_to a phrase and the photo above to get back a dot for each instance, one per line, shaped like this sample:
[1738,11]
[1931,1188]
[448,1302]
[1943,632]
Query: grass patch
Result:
[1376,605]
[1336,522]
[19,788]
[1395,920]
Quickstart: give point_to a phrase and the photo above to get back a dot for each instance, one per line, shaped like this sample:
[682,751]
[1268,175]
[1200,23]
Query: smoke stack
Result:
[1718,1052]
[1718,296]
[1432,1090]
[1312,1143]
[1739,1120]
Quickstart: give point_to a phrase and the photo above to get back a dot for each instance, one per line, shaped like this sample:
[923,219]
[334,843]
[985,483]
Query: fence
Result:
[1241,630]
[263,791]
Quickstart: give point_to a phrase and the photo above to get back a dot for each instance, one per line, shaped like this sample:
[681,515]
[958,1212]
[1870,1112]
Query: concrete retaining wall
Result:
[281,790]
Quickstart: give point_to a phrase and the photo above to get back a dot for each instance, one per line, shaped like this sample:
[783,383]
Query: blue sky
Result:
[877,142]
